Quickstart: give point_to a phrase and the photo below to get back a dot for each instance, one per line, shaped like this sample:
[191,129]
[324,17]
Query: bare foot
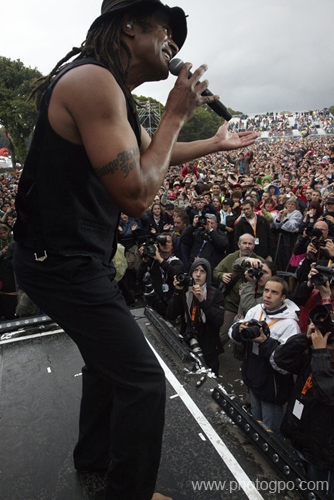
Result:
[158,496]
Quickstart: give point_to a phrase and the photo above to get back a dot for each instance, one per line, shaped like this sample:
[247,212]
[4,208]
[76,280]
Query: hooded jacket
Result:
[209,316]
[259,371]
[313,432]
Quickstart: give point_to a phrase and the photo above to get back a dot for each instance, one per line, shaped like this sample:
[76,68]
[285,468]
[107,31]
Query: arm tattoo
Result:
[125,161]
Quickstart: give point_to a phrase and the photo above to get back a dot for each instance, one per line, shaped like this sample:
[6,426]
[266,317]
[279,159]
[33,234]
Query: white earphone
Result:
[129,25]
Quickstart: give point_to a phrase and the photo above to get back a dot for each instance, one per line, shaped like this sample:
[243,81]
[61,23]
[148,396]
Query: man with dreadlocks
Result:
[89,150]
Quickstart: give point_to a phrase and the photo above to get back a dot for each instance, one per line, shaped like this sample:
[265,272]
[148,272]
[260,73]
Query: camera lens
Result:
[250,333]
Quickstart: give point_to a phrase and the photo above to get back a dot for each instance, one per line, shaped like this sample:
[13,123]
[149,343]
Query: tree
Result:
[331,110]
[17,116]
[203,124]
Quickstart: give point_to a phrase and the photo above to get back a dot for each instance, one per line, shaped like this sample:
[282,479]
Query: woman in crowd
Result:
[311,215]
[156,220]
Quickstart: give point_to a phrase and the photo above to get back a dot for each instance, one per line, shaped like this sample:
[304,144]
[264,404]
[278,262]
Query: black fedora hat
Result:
[177,17]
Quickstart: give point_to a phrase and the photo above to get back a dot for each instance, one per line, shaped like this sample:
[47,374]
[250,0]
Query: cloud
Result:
[261,55]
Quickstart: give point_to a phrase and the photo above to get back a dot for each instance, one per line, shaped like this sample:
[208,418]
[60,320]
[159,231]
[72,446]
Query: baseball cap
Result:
[169,206]
[228,201]
[177,17]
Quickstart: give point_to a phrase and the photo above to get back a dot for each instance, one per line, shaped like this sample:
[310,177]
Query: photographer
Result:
[308,422]
[256,274]
[201,308]
[206,239]
[317,230]
[328,214]
[318,289]
[265,327]
[157,270]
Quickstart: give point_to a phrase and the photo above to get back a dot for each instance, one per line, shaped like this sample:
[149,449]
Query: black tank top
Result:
[62,206]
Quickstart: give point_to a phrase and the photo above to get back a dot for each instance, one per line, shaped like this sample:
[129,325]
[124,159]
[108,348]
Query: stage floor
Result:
[204,453]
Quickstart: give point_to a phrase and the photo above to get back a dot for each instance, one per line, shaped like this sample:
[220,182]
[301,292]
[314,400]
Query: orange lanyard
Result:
[254,226]
[308,385]
[193,312]
[272,322]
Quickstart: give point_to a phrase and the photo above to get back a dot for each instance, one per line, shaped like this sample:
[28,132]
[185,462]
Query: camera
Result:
[191,339]
[195,347]
[318,243]
[324,274]
[255,273]
[184,280]
[201,222]
[316,237]
[149,249]
[312,231]
[322,320]
[149,291]
[253,330]
[161,238]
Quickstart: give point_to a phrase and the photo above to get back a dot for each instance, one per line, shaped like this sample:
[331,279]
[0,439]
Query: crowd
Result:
[239,247]
[283,124]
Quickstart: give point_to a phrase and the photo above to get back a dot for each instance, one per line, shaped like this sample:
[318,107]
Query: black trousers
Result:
[123,396]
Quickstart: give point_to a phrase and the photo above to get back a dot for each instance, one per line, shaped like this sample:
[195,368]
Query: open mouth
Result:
[167,55]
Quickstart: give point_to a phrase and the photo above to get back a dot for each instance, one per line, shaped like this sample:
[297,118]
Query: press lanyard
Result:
[254,226]
[200,250]
[272,322]
[308,385]
[193,312]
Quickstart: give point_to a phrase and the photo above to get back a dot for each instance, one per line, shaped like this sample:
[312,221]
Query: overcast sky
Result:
[263,55]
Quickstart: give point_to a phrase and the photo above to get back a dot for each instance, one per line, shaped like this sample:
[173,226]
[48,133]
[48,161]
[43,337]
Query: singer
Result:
[89,151]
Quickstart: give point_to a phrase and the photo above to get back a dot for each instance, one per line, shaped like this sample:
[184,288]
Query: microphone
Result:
[218,107]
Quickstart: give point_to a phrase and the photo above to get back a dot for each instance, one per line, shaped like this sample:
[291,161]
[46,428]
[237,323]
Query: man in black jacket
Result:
[269,387]
[308,421]
[161,265]
[257,226]
[207,240]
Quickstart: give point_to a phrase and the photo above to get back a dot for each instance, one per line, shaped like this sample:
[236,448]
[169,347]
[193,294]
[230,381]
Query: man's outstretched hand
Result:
[234,140]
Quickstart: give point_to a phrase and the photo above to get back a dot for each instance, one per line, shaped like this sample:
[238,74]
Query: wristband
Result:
[325,301]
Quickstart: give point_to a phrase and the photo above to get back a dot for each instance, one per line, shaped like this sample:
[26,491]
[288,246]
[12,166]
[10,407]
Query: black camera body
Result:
[255,273]
[312,231]
[149,249]
[318,243]
[322,320]
[253,330]
[315,236]
[324,274]
[184,280]
[201,223]
[161,238]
